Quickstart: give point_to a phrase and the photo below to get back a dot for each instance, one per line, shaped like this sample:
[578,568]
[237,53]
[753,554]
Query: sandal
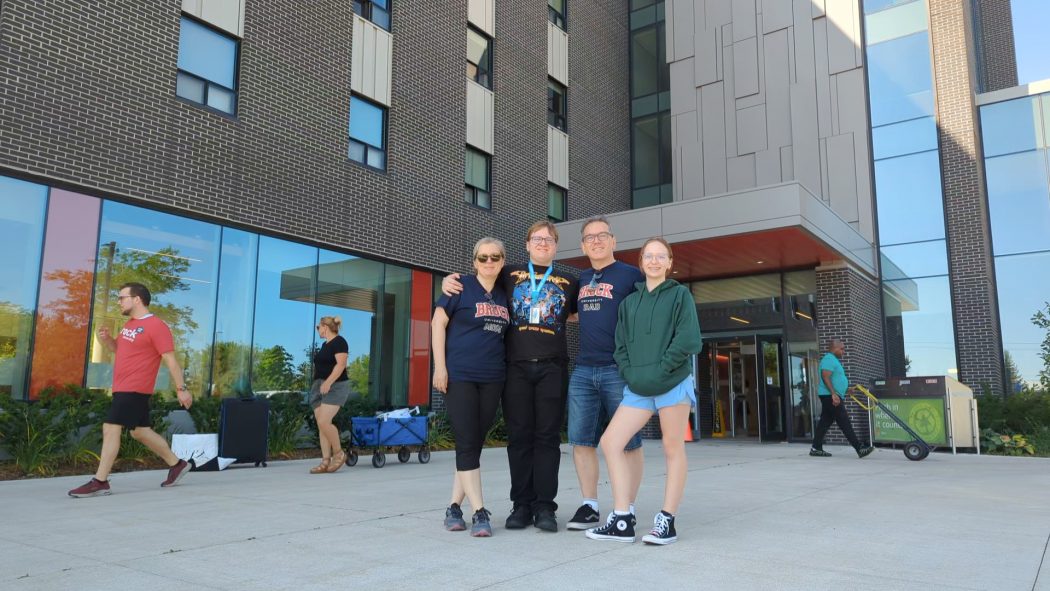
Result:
[337,461]
[321,468]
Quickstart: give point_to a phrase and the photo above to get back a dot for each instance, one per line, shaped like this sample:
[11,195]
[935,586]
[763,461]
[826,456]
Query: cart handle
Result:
[866,393]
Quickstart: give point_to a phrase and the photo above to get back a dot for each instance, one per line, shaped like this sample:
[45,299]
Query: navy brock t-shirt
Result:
[474,350]
[600,295]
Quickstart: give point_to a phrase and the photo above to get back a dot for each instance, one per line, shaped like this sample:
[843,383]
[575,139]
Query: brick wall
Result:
[848,309]
[89,103]
[995,38]
[977,335]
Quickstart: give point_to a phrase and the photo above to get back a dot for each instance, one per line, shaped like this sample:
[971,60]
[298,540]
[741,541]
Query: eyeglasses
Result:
[538,240]
[651,256]
[599,237]
[121,297]
[484,258]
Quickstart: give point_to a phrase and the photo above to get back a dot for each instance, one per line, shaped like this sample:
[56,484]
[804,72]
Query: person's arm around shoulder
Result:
[686,338]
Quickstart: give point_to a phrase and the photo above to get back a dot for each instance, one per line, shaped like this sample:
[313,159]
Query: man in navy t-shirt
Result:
[596,387]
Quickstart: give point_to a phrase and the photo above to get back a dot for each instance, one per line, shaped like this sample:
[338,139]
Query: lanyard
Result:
[535,291]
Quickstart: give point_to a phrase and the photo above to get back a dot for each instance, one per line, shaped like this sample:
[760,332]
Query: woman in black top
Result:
[329,391]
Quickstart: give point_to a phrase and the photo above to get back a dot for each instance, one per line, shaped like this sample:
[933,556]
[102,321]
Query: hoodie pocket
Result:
[648,380]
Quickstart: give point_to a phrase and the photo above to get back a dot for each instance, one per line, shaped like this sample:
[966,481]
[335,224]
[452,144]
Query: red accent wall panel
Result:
[419,360]
[63,311]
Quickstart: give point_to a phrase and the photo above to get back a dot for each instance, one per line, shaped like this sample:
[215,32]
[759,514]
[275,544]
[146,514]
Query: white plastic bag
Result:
[398,413]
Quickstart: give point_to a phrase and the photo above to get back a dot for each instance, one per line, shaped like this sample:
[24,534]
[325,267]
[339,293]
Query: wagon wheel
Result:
[424,455]
[351,458]
[378,459]
[916,451]
[403,455]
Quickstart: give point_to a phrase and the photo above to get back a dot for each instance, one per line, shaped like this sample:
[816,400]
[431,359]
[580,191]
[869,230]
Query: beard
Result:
[125,312]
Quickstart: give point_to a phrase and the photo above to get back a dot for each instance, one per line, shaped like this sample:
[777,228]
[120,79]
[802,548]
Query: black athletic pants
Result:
[828,413]
[471,409]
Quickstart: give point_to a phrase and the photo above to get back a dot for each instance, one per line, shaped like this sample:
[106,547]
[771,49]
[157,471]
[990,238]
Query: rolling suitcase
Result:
[244,428]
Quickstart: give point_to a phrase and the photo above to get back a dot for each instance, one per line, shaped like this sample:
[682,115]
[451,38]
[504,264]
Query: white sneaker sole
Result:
[602,538]
[580,526]
[659,541]
[101,493]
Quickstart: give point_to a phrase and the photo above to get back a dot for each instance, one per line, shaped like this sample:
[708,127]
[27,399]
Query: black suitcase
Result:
[244,429]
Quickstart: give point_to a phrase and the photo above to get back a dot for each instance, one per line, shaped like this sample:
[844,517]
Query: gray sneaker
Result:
[480,526]
[454,518]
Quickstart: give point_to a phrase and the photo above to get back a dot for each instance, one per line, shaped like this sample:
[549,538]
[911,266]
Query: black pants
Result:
[471,409]
[828,413]
[534,407]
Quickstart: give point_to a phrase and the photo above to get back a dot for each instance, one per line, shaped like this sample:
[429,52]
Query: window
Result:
[557,203]
[557,104]
[377,11]
[556,12]
[478,179]
[367,133]
[479,58]
[207,67]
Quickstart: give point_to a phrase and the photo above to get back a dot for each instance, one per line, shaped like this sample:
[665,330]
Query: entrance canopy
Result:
[754,231]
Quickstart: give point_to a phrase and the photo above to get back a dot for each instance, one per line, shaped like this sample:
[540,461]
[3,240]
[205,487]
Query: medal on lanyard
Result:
[534,309]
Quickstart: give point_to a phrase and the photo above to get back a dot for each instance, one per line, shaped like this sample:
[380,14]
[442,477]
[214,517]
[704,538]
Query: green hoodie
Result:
[656,332]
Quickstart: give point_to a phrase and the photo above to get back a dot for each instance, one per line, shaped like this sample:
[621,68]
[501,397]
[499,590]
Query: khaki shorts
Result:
[337,395]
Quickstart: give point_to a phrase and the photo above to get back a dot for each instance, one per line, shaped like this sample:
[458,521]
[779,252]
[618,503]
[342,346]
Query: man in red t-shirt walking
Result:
[141,345]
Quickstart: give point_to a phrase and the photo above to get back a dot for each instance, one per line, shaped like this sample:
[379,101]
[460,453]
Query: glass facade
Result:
[242,306]
[919,332]
[650,105]
[1031,44]
[1017,173]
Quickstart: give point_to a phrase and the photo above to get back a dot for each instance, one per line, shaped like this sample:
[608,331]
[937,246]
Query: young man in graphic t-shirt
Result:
[596,386]
[139,348]
[541,300]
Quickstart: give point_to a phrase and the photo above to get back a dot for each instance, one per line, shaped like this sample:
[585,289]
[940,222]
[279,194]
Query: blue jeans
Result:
[594,392]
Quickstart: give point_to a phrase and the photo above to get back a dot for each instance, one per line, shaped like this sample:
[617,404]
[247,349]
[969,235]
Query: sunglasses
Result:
[484,258]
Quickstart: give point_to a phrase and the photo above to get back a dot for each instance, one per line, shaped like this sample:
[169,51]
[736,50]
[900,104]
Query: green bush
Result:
[439,432]
[994,442]
[205,414]
[1017,413]
[287,414]
[57,427]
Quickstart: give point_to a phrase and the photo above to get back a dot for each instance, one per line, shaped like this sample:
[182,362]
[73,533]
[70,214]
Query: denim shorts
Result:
[594,392]
[677,395]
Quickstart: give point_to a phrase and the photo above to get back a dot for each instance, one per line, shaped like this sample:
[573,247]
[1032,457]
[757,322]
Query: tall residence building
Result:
[874,171]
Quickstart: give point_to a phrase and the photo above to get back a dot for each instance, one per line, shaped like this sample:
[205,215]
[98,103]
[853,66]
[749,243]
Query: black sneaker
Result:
[585,518]
[454,518]
[618,528]
[480,526]
[865,451]
[546,520]
[819,453]
[663,532]
[520,518]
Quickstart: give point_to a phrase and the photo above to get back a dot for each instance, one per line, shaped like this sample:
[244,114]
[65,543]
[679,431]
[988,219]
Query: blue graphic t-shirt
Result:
[539,334]
[600,295]
[838,376]
[474,350]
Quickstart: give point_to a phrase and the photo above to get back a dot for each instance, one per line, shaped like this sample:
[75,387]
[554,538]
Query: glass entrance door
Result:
[770,389]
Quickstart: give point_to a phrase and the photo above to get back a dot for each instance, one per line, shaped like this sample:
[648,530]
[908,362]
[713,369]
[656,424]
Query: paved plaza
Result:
[754,517]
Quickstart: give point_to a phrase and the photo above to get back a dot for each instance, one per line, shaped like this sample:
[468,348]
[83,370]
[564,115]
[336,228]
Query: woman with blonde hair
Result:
[657,333]
[330,390]
[470,368]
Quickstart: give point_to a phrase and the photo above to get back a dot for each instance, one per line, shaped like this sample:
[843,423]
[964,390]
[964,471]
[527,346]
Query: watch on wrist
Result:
[183,388]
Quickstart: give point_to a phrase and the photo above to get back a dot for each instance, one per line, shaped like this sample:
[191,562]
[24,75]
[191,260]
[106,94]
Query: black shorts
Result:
[129,409]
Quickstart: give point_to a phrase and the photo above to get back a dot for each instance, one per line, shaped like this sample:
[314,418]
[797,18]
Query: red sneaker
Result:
[176,472]
[93,488]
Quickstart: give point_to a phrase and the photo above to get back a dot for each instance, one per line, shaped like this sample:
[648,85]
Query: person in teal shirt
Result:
[832,389]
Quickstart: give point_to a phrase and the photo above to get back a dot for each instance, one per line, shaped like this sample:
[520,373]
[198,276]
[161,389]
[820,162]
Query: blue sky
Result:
[1031,21]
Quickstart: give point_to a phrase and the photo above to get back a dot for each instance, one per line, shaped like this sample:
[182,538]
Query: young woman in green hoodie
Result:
[657,332]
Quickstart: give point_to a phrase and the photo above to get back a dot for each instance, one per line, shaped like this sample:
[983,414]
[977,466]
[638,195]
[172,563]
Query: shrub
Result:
[439,432]
[1016,413]
[287,414]
[59,426]
[1005,444]
[205,414]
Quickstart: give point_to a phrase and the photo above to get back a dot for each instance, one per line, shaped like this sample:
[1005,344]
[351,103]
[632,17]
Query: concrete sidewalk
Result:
[754,517]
